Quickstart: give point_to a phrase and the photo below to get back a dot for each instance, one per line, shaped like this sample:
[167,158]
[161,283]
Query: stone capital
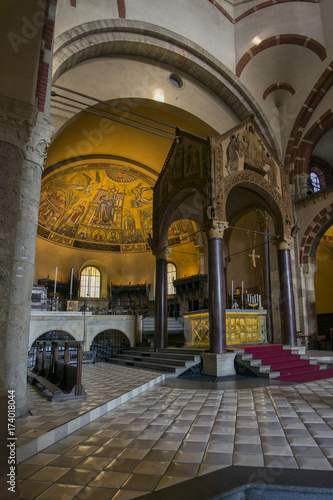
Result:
[216,228]
[40,140]
[286,242]
[162,253]
[309,270]
[17,120]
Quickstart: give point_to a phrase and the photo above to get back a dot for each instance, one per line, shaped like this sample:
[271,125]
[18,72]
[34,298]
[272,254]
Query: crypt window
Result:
[172,275]
[90,282]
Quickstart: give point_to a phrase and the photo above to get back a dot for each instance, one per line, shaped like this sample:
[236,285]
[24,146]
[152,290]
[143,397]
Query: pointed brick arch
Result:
[287,39]
[278,86]
[316,95]
[314,233]
[311,138]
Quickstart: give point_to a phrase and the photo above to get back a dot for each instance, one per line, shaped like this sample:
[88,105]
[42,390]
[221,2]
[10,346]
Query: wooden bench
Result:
[52,388]
[60,379]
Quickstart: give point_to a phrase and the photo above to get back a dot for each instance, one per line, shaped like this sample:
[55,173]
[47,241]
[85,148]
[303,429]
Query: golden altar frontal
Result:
[243,326]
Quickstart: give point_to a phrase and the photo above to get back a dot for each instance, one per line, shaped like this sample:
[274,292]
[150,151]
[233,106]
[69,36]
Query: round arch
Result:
[257,193]
[103,271]
[188,203]
[41,330]
[119,37]
[108,343]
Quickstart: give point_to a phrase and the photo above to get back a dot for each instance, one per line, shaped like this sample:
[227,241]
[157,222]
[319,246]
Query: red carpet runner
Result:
[291,367]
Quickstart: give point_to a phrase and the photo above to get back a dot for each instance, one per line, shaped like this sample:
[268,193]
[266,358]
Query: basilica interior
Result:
[167,187]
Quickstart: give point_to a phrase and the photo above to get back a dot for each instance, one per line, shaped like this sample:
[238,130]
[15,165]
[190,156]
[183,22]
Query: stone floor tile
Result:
[63,491]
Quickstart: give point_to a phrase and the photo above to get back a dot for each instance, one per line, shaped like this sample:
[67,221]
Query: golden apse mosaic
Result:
[102,207]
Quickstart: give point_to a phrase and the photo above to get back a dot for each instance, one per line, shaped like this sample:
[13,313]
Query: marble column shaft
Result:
[287,301]
[161,302]
[217,314]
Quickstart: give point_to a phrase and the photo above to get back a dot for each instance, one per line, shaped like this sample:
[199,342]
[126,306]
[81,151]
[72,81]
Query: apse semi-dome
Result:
[102,207]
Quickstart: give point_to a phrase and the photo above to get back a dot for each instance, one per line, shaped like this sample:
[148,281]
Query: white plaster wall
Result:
[86,10]
[273,65]
[198,20]
[326,7]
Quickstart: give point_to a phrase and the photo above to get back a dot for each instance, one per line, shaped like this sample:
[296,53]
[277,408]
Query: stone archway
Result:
[199,174]
[120,37]
[108,343]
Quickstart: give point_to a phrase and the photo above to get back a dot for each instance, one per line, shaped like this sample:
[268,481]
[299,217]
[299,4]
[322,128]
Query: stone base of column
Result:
[218,365]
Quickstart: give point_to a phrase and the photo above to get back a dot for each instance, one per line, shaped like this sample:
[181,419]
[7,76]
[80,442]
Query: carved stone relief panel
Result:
[243,148]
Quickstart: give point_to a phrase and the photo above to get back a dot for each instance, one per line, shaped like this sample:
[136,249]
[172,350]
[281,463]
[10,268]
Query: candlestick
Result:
[71,287]
[88,288]
[55,281]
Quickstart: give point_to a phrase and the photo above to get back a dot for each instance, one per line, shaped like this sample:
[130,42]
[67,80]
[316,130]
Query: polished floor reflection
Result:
[173,432]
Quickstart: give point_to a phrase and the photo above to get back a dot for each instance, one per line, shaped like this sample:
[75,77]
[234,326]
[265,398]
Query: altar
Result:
[244,326]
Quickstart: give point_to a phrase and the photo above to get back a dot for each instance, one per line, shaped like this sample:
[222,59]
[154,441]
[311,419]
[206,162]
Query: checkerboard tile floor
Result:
[168,435]
[102,382]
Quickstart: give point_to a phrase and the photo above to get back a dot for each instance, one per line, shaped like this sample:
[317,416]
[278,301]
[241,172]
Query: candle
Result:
[55,281]
[88,289]
[232,292]
[242,290]
[71,287]
[259,300]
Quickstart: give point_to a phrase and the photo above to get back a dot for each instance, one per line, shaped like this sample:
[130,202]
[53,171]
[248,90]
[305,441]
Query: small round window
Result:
[176,81]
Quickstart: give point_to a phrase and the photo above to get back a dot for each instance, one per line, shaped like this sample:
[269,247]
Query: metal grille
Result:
[52,335]
[108,343]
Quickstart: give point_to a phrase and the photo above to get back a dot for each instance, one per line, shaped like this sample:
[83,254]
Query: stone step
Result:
[160,361]
[147,366]
[152,354]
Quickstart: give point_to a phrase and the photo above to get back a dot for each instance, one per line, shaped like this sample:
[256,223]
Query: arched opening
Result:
[171,276]
[252,271]
[90,282]
[108,343]
[323,282]
[48,336]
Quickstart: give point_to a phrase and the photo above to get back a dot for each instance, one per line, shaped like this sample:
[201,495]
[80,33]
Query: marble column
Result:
[23,146]
[200,249]
[287,301]
[216,297]
[309,270]
[161,299]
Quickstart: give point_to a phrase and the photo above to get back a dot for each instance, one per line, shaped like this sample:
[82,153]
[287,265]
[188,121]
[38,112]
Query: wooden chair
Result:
[326,342]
